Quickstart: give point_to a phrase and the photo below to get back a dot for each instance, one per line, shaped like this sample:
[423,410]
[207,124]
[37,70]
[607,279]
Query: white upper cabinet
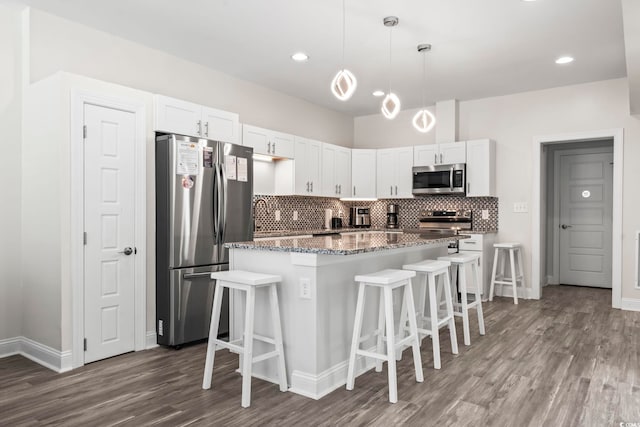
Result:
[363,173]
[186,118]
[268,142]
[307,167]
[394,174]
[481,168]
[336,171]
[439,154]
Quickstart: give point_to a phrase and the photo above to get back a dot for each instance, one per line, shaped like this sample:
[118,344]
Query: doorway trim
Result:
[537,251]
[80,98]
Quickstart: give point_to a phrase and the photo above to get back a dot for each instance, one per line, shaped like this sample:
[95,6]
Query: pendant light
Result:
[344,83]
[391,103]
[424,120]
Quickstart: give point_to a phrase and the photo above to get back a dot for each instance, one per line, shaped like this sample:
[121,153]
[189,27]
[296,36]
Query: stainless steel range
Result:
[446,221]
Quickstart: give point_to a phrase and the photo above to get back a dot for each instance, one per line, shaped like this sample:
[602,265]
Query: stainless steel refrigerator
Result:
[203,200]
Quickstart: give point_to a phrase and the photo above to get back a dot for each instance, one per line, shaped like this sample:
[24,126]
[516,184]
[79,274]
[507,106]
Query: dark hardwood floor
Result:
[568,359]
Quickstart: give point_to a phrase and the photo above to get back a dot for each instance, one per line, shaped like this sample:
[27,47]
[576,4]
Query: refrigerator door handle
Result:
[223,217]
[219,207]
[188,276]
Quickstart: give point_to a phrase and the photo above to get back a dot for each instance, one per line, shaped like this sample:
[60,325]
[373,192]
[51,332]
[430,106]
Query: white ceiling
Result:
[480,48]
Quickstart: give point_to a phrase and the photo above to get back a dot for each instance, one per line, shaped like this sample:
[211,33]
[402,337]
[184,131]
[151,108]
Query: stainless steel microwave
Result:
[439,179]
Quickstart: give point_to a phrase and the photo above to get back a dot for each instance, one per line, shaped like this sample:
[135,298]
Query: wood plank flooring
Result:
[568,359]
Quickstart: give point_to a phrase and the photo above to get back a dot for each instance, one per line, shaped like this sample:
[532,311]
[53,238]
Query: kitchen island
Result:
[318,298]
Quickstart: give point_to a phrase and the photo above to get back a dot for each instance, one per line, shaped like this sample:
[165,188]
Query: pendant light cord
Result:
[424,78]
[390,34]
[344,26]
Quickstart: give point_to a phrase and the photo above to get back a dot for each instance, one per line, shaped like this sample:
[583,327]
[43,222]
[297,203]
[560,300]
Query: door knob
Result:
[565,226]
[126,251]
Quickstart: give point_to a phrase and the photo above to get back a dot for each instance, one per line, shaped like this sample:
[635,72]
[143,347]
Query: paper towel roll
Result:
[328,213]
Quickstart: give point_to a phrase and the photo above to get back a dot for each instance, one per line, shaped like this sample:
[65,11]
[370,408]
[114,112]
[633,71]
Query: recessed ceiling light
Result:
[300,57]
[378,93]
[564,60]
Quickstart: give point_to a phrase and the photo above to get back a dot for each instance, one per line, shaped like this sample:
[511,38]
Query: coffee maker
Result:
[392,216]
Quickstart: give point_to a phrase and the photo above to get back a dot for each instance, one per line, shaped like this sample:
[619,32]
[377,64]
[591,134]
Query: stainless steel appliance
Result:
[439,179]
[203,200]
[359,217]
[392,216]
[336,222]
[446,221]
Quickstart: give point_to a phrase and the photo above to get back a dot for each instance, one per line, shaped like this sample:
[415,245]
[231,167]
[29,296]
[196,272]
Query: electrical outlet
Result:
[485,213]
[277,214]
[305,288]
[295,215]
[521,207]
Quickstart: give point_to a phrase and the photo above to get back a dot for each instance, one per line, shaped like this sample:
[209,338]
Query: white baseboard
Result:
[59,361]
[151,340]
[318,386]
[630,304]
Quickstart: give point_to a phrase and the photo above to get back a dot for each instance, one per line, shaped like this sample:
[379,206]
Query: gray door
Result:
[236,165]
[193,203]
[586,203]
[191,293]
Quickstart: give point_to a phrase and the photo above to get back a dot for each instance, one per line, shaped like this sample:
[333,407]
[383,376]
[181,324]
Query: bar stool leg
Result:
[452,319]
[277,334]
[248,347]
[521,267]
[435,332]
[476,278]
[502,259]
[355,341]
[493,274]
[413,327]
[380,338]
[213,334]
[465,307]
[404,312]
[514,278]
[391,360]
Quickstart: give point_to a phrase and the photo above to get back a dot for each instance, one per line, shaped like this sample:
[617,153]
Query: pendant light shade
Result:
[391,103]
[390,106]
[424,120]
[344,84]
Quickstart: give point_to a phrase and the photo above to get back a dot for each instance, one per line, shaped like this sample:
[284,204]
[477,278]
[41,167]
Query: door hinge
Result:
[84,132]
[84,238]
[135,251]
[85,344]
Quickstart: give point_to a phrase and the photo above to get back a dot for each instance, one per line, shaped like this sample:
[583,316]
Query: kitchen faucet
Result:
[256,225]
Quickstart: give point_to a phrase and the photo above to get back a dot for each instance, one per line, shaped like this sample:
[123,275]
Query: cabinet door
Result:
[385,173]
[343,171]
[481,171]
[220,125]
[281,145]
[404,173]
[255,137]
[176,116]
[454,152]
[314,163]
[301,184]
[425,155]
[329,185]
[363,173]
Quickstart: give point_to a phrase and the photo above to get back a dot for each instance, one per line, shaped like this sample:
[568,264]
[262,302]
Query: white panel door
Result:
[363,173]
[109,182]
[586,203]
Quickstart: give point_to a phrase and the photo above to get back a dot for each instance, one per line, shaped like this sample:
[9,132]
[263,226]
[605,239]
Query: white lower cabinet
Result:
[483,244]
[394,175]
[186,118]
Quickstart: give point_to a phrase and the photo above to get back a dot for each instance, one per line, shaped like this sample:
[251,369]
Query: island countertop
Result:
[350,243]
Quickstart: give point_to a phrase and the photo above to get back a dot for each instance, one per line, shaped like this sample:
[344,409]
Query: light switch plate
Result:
[521,207]
[295,215]
[485,213]
[277,214]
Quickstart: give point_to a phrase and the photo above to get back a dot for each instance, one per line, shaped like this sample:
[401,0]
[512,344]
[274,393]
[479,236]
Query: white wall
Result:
[10,129]
[513,121]
[374,131]
[58,44]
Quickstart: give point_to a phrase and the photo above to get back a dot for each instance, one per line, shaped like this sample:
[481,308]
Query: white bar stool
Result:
[498,275]
[459,263]
[386,281]
[432,270]
[247,282]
